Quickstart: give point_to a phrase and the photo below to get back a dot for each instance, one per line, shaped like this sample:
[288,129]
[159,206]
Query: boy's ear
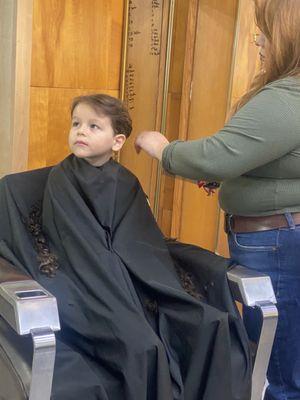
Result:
[119,140]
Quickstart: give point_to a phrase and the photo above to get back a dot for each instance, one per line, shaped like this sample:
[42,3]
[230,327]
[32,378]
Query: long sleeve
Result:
[263,130]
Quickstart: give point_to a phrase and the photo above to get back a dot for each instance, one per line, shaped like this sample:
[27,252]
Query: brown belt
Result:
[241,224]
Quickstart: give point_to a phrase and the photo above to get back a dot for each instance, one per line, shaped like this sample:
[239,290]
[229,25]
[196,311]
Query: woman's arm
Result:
[263,130]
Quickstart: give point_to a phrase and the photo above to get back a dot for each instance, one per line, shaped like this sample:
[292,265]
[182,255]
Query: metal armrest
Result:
[30,309]
[254,289]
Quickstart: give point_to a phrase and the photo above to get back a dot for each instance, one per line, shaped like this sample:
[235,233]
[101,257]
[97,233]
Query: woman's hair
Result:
[279,21]
[110,107]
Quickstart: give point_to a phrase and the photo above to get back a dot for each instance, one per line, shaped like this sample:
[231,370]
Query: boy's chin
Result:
[97,162]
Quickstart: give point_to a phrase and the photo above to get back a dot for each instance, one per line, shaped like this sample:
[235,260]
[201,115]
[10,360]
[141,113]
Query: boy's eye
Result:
[75,123]
[94,126]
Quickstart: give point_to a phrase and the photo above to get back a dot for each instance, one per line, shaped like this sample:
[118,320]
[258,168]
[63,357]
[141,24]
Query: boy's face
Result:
[92,137]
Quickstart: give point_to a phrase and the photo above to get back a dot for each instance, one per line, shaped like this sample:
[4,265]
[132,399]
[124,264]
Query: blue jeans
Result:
[277,254]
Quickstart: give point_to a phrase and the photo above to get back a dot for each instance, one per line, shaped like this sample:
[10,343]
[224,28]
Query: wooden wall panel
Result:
[37,152]
[210,88]
[178,46]
[7,75]
[15,49]
[167,181]
[77,47]
[76,43]
[174,106]
[145,66]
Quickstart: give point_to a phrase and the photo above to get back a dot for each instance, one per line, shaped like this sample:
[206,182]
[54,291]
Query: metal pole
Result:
[164,103]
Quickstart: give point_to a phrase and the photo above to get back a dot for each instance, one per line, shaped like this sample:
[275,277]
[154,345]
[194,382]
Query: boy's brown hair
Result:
[110,107]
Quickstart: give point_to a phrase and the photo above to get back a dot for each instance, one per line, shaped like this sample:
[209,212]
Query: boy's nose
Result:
[82,130]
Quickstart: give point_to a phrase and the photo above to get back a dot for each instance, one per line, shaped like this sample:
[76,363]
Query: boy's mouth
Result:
[80,143]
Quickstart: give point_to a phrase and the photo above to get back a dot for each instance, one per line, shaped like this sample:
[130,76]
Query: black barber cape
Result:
[129,329]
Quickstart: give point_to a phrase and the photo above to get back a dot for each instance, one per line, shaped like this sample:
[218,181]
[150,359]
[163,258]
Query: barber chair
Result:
[29,320]
[26,309]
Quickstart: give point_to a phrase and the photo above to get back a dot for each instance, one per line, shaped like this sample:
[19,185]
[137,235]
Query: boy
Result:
[110,263]
[100,125]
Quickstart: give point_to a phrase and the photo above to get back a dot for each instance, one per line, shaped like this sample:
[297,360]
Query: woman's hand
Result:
[151,142]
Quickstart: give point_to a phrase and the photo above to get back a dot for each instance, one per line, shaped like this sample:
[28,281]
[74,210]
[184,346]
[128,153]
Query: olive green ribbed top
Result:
[256,155]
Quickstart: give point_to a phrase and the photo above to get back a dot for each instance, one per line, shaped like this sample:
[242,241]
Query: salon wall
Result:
[76,49]
[15,56]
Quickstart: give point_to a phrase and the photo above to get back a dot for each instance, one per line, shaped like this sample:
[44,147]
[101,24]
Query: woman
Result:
[256,158]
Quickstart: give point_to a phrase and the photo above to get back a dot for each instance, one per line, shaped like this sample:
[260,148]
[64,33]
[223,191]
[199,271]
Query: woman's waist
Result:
[242,224]
[248,196]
